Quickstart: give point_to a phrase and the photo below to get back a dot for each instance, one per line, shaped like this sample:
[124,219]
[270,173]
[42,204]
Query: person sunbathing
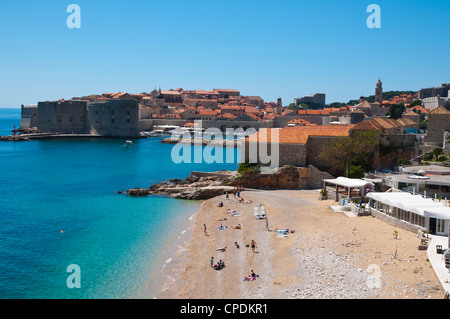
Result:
[239,226]
[251,277]
[219,265]
[221,249]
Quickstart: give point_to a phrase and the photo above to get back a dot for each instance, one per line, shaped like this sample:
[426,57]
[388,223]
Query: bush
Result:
[406,162]
[356,171]
[427,157]
[249,168]
[442,158]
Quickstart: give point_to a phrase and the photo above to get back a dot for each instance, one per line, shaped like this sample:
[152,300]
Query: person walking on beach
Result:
[267,224]
[253,244]
[226,195]
[212,262]
[204,229]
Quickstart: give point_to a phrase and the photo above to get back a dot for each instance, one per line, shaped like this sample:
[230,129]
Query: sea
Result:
[63,224]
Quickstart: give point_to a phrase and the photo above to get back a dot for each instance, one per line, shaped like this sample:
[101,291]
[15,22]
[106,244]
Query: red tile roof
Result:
[299,134]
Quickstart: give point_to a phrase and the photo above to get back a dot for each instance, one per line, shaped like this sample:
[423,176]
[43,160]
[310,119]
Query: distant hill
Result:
[386,95]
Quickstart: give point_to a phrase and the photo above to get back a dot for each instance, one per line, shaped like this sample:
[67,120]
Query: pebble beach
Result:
[325,255]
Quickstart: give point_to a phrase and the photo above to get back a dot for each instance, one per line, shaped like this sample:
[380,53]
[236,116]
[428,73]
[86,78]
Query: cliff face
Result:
[200,185]
[286,177]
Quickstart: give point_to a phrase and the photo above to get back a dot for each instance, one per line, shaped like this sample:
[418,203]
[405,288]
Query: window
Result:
[440,226]
[58,118]
[82,119]
[70,118]
[128,121]
[112,112]
[112,121]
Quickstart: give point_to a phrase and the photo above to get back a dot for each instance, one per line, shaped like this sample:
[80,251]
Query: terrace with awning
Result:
[353,187]
[414,209]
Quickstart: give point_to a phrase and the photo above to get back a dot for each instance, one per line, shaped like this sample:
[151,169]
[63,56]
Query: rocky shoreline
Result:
[202,185]
[197,186]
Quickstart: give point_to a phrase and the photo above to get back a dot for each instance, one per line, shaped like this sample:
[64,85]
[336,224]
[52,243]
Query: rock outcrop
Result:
[201,185]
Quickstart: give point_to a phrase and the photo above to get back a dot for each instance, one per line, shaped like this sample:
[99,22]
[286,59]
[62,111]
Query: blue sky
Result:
[285,48]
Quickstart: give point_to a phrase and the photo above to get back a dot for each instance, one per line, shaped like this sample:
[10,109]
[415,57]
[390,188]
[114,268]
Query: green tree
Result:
[415,102]
[356,150]
[336,104]
[436,153]
[355,171]
[396,111]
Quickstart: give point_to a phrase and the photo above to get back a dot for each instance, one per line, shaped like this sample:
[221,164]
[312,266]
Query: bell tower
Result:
[379,92]
[279,106]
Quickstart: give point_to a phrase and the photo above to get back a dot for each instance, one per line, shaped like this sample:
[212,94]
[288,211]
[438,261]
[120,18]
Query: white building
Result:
[433,102]
[412,212]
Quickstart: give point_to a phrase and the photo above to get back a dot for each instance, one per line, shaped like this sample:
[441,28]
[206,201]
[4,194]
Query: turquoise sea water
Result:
[116,240]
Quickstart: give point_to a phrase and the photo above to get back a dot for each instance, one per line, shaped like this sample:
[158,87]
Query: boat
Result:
[128,142]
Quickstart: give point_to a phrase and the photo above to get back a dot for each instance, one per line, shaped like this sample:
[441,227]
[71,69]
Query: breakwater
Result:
[51,136]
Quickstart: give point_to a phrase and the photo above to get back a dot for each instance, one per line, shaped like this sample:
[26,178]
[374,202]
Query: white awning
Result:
[348,182]
[412,203]
[438,212]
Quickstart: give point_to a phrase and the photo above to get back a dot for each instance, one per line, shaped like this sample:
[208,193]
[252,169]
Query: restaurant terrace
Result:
[411,212]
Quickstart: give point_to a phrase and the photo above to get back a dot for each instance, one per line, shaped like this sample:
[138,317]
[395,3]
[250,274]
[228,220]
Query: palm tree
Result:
[436,153]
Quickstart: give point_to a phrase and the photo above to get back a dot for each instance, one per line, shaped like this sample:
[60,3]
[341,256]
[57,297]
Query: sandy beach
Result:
[328,256]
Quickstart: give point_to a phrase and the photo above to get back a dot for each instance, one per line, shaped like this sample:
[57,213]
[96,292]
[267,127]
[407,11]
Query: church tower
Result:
[379,92]
[279,106]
